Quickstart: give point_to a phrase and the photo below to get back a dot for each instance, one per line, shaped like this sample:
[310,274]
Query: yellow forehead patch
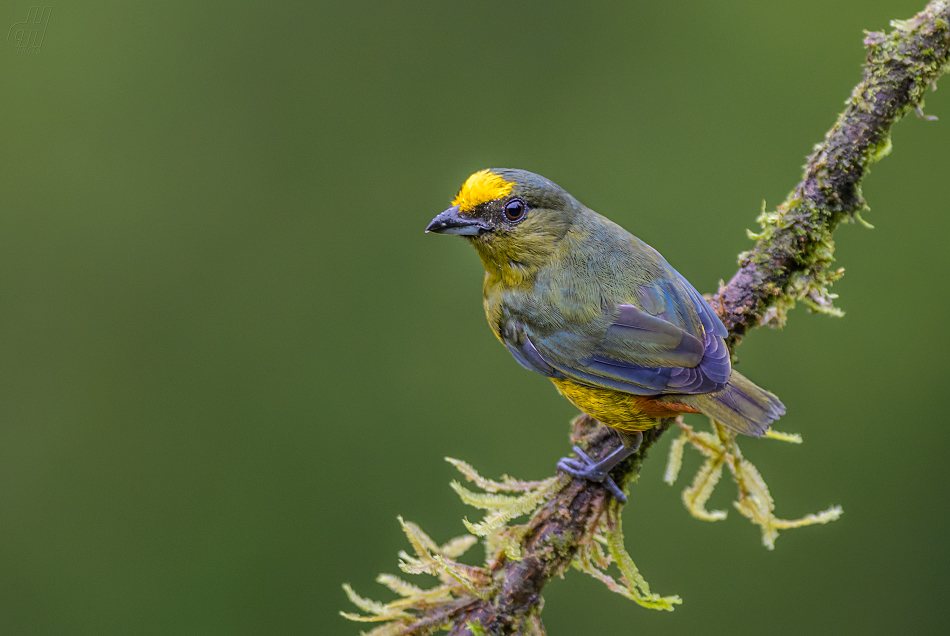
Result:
[481,187]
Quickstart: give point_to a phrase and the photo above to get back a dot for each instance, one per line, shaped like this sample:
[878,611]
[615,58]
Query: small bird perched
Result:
[577,298]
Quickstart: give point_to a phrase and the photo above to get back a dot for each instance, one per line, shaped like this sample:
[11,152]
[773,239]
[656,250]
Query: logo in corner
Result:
[27,37]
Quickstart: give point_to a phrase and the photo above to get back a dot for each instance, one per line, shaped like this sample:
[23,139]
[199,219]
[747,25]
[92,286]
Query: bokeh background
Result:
[229,355]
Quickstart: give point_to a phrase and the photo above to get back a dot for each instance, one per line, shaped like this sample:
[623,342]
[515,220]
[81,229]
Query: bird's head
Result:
[514,218]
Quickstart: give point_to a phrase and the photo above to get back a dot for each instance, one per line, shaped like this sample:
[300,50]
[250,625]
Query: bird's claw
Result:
[583,467]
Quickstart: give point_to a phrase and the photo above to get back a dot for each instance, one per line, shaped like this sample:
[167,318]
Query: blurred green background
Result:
[229,355]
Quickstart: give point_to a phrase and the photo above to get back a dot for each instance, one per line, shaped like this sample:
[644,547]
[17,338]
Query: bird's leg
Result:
[583,467]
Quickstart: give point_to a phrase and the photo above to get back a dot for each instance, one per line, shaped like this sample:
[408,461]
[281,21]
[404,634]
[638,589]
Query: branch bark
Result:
[789,263]
[796,243]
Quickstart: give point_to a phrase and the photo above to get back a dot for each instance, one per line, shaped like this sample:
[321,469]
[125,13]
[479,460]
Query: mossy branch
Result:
[573,521]
[793,253]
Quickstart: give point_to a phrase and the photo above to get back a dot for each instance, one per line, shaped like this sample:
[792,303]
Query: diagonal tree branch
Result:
[790,259]
[789,263]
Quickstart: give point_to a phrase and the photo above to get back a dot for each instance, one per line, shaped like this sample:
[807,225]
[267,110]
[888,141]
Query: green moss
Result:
[476,628]
[880,150]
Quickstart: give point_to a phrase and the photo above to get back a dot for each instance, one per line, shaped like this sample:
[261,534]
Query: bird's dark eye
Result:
[515,209]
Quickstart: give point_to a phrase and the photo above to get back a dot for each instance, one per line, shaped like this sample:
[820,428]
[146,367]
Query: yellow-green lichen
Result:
[592,559]
[754,501]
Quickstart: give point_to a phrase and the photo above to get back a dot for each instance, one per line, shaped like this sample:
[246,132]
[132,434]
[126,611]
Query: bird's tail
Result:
[741,406]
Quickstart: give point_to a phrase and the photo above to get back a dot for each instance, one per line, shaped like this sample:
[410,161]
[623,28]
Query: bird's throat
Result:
[503,265]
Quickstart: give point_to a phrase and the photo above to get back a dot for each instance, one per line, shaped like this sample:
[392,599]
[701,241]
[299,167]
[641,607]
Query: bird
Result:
[580,300]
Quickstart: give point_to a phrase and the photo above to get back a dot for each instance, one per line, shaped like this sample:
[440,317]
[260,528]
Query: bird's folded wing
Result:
[665,340]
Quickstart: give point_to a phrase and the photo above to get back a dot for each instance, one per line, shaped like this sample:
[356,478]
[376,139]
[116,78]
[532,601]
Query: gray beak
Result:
[449,222]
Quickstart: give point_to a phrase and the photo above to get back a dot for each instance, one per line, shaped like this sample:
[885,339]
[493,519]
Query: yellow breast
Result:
[616,409]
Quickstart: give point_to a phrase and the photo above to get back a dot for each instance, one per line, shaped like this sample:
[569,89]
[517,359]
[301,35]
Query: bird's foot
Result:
[583,467]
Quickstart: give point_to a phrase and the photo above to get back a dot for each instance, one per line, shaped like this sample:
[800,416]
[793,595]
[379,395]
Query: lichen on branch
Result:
[463,590]
[793,254]
[753,501]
